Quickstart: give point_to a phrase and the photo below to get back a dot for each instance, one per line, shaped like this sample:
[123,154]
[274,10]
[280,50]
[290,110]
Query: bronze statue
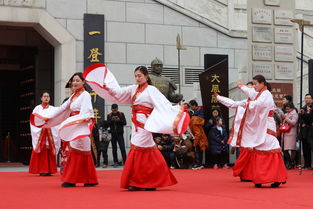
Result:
[165,85]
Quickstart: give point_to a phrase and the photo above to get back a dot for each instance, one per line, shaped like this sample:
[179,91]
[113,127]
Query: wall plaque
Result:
[284,53]
[284,35]
[264,69]
[263,16]
[262,52]
[271,2]
[283,17]
[262,34]
[284,71]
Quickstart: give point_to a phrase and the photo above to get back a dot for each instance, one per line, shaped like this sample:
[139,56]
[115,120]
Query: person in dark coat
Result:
[166,147]
[103,143]
[218,144]
[117,122]
[305,135]
[215,112]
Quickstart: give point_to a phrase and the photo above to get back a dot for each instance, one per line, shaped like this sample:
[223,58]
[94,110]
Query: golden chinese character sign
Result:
[94,53]
[279,90]
[214,79]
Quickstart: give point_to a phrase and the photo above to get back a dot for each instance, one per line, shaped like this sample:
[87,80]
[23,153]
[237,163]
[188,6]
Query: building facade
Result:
[136,32]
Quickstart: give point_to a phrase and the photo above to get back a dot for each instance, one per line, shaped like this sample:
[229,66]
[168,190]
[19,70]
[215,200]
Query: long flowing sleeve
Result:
[260,102]
[229,102]
[249,92]
[80,125]
[35,131]
[255,125]
[104,83]
[54,117]
[166,118]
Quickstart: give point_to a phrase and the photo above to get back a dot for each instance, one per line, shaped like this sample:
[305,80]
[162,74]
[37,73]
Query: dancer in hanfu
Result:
[242,167]
[77,119]
[46,143]
[145,167]
[258,130]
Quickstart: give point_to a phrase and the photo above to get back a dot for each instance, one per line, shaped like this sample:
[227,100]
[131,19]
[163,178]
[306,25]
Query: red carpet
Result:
[197,189]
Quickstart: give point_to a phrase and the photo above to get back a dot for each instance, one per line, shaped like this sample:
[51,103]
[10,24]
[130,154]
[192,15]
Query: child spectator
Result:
[218,144]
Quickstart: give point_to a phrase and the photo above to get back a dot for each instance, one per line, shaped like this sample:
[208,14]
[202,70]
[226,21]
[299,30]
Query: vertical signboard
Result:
[214,79]
[94,53]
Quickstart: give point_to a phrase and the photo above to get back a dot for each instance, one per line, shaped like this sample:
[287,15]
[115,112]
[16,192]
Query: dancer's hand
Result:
[239,84]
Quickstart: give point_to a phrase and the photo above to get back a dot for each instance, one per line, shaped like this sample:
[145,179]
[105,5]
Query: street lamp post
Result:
[301,24]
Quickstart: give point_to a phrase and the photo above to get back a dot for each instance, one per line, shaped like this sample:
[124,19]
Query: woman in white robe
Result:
[45,141]
[258,130]
[242,166]
[77,119]
[145,167]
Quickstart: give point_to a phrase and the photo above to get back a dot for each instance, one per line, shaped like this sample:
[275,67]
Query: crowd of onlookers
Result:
[205,142]
[295,126]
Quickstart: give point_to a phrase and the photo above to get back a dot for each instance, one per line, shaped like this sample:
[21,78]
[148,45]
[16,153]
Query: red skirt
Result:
[80,168]
[146,168]
[43,162]
[268,167]
[243,166]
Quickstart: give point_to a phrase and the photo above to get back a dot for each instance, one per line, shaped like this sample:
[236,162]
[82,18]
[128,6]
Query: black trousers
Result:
[169,158]
[118,138]
[306,148]
[103,148]
[199,155]
[220,159]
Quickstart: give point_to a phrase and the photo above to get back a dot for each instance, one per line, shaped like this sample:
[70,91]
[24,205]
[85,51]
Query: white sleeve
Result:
[229,102]
[249,92]
[104,83]
[86,109]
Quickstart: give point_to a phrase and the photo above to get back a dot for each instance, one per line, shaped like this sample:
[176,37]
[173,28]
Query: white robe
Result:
[240,110]
[75,129]
[257,121]
[35,131]
[164,118]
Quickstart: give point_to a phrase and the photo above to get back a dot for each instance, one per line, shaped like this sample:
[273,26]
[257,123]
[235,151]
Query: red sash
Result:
[74,113]
[45,134]
[140,109]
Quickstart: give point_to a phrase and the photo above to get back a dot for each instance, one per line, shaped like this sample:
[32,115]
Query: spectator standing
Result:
[197,128]
[305,120]
[117,122]
[215,112]
[218,144]
[104,140]
[289,138]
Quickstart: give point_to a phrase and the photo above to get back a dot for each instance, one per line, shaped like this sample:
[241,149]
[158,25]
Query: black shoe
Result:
[132,188]
[65,184]
[258,185]
[115,165]
[245,180]
[275,185]
[150,189]
[45,174]
[91,185]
